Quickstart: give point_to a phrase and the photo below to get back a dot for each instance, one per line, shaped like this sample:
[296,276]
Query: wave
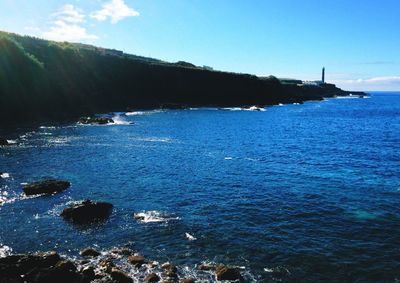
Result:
[5,250]
[251,108]
[48,127]
[153,216]
[4,175]
[12,141]
[190,237]
[118,120]
[139,113]
[155,139]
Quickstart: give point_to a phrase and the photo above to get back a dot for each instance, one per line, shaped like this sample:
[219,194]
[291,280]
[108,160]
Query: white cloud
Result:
[67,26]
[116,10]
[376,83]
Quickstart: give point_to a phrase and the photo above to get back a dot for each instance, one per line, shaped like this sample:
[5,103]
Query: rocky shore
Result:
[118,265]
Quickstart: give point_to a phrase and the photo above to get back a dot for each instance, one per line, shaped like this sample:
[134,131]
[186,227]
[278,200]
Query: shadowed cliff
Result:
[47,81]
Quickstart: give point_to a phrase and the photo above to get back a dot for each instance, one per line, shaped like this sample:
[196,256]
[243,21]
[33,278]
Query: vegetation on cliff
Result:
[44,80]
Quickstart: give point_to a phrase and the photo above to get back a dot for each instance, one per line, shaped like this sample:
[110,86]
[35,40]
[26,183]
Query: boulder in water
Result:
[95,120]
[152,277]
[186,280]
[137,260]
[87,212]
[46,187]
[119,276]
[226,273]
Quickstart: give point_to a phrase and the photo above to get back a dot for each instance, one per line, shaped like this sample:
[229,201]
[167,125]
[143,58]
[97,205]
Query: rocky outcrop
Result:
[46,187]
[87,212]
[95,120]
[38,268]
[89,252]
[3,141]
[226,273]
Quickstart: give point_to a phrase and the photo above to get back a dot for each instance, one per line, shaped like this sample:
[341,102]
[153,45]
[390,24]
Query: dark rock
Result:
[187,280]
[3,141]
[169,274]
[120,277]
[138,217]
[169,267]
[152,277]
[226,273]
[207,267]
[66,265]
[107,265]
[95,120]
[122,251]
[136,260]
[87,212]
[88,273]
[90,252]
[46,267]
[46,187]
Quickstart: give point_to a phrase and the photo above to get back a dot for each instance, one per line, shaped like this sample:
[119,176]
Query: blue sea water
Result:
[296,193]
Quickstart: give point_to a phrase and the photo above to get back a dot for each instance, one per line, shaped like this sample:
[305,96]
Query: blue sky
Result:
[358,41]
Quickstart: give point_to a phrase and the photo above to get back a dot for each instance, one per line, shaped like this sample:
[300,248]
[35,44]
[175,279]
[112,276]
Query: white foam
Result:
[251,108]
[232,108]
[228,158]
[280,104]
[153,216]
[255,108]
[5,251]
[12,141]
[139,113]
[347,97]
[5,175]
[190,237]
[47,127]
[119,121]
[155,139]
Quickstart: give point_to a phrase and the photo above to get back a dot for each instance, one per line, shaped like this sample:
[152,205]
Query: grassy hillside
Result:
[44,80]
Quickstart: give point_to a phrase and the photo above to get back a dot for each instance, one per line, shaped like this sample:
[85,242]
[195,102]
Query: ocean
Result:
[295,193]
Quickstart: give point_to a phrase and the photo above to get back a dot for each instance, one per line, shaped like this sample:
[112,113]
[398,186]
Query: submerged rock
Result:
[207,267]
[152,277]
[87,212]
[95,120]
[226,273]
[186,280]
[3,141]
[46,187]
[90,252]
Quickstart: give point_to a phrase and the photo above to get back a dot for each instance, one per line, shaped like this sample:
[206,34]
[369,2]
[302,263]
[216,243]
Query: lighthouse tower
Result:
[323,75]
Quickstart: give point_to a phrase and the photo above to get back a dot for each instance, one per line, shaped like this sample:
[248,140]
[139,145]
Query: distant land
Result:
[42,81]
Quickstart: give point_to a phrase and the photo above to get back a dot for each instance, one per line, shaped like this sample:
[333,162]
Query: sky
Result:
[358,41]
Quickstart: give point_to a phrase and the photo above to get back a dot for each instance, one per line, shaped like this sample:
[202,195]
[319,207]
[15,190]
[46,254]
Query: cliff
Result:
[48,81]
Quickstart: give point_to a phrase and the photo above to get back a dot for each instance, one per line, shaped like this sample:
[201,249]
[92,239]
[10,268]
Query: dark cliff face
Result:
[42,80]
